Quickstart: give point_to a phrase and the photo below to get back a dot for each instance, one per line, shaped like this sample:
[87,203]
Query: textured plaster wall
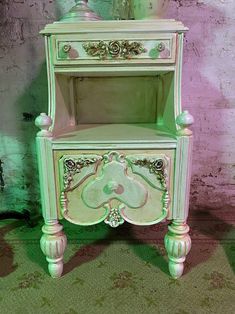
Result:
[208,91]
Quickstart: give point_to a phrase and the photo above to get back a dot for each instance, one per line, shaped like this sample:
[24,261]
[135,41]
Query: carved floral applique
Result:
[119,189]
[74,166]
[114,49]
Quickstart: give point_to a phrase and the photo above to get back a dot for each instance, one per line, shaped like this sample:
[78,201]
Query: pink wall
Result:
[208,92]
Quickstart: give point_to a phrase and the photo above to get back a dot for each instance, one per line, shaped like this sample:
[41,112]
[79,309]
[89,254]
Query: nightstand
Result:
[115,145]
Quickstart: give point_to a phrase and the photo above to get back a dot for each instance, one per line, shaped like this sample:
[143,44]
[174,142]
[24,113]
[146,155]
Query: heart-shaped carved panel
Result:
[114,183]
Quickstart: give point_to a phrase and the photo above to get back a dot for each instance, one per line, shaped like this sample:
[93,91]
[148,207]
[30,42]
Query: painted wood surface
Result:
[93,28]
[143,207]
[115,168]
[159,50]
[115,133]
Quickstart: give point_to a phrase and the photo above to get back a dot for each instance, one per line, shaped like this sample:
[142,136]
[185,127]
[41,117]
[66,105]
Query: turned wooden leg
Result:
[53,243]
[178,245]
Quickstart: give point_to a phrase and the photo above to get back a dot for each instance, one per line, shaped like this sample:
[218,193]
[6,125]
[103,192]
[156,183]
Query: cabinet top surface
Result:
[128,26]
[115,133]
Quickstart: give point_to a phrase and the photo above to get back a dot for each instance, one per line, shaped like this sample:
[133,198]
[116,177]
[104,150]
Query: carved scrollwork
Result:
[113,182]
[114,49]
[113,155]
[73,166]
[157,167]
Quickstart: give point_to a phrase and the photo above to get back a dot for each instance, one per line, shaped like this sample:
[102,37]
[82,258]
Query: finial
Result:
[185,120]
[43,122]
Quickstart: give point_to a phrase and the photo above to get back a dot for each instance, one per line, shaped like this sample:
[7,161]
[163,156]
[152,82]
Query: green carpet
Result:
[118,271]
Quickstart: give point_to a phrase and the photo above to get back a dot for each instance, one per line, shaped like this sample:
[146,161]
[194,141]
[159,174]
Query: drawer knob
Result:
[184,120]
[113,186]
[66,48]
[161,46]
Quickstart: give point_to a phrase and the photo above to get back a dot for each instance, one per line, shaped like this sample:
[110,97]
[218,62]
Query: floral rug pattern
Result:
[117,271]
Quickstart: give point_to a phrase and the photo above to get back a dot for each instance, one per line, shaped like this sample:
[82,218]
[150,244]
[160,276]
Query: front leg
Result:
[178,245]
[53,243]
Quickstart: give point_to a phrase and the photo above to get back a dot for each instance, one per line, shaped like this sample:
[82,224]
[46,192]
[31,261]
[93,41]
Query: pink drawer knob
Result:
[113,186]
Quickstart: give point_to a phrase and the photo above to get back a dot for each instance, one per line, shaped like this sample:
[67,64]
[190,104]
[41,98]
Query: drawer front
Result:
[114,186]
[117,51]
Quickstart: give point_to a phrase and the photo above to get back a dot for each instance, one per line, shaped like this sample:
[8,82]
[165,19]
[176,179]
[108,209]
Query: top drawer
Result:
[156,50]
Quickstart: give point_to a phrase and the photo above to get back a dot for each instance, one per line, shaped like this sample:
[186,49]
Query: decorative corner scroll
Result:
[159,169]
[114,49]
[75,165]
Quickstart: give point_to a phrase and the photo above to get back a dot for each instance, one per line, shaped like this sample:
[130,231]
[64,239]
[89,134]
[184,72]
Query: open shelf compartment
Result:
[114,108]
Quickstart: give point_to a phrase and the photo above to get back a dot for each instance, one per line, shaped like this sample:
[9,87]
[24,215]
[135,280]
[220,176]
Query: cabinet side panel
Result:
[182,177]
[46,176]
[50,78]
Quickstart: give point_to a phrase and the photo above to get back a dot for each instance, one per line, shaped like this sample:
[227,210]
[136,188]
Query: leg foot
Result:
[176,269]
[178,245]
[55,269]
[53,243]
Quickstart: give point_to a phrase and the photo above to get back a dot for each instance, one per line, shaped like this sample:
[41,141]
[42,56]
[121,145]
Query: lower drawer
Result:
[114,186]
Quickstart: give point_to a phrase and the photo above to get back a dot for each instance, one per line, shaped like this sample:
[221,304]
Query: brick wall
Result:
[208,92]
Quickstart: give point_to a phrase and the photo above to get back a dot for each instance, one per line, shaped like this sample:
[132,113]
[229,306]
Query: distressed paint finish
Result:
[145,197]
[178,245]
[208,91]
[113,194]
[53,243]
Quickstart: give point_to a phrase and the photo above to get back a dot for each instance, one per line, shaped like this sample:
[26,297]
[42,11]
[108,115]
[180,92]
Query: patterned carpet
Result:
[119,271]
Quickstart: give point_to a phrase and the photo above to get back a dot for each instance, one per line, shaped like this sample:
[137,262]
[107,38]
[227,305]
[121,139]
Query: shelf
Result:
[113,71]
[115,133]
